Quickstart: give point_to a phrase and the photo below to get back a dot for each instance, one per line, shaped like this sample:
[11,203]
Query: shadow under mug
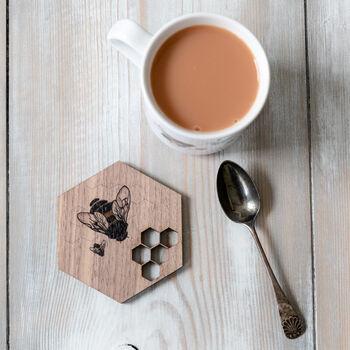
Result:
[141,47]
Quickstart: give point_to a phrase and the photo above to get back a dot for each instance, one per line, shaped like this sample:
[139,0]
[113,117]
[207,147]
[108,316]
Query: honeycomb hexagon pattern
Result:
[154,251]
[119,231]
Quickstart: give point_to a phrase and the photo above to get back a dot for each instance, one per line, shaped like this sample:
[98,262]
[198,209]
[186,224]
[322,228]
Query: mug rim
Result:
[245,121]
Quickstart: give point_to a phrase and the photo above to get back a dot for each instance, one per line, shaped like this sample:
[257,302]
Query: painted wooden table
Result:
[74,107]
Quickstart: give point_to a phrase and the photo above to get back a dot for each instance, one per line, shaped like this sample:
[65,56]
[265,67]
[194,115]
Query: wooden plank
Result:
[329,47]
[3,170]
[76,108]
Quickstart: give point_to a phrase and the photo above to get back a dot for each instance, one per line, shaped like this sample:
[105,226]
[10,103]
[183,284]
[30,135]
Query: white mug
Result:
[140,47]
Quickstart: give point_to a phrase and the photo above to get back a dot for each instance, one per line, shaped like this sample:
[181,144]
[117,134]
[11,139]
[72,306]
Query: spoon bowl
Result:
[238,195]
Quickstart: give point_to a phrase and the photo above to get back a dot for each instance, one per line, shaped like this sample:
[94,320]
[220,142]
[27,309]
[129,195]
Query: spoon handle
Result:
[292,323]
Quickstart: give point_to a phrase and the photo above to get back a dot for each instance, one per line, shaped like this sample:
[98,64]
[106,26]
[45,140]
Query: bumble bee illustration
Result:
[99,249]
[108,218]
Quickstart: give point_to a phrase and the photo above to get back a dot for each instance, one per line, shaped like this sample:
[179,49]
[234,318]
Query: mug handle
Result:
[130,39]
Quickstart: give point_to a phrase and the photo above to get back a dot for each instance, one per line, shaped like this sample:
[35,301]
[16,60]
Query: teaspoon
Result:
[239,199]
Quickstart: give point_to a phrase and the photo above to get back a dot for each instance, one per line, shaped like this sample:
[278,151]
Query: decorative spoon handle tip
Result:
[293,325]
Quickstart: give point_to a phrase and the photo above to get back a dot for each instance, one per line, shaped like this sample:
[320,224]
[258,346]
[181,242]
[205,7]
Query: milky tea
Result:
[204,78]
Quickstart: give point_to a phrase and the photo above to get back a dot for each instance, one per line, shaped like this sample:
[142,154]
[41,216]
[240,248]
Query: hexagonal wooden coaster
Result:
[119,231]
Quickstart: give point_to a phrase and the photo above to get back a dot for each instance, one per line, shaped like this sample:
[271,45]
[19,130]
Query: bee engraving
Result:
[108,218]
[99,249]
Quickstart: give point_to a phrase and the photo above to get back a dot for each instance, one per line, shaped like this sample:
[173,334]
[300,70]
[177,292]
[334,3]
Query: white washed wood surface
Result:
[75,108]
[3,175]
[329,55]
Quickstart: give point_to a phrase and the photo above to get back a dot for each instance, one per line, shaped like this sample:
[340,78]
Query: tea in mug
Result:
[204,78]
